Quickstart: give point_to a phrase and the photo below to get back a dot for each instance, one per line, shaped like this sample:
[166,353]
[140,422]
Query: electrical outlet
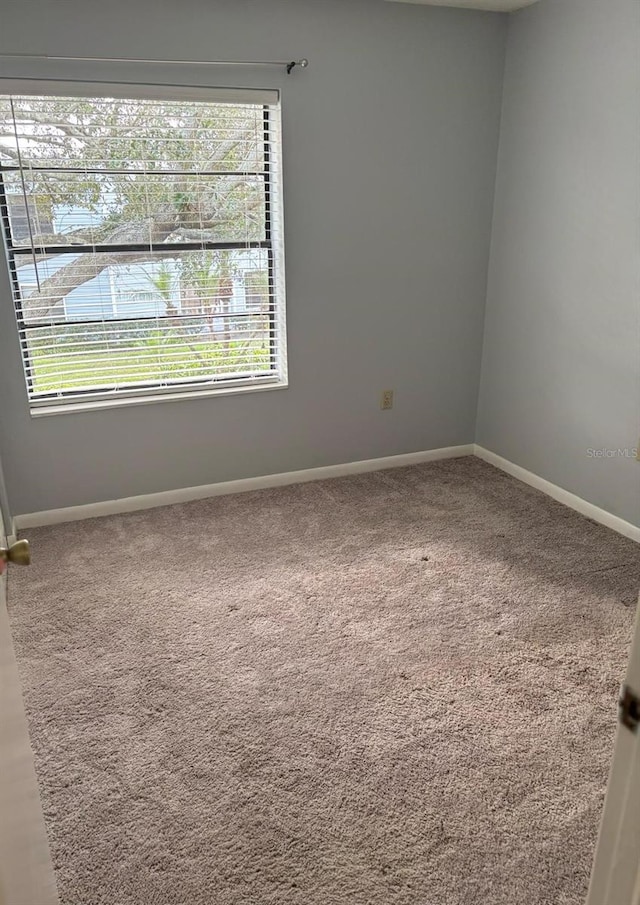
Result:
[386,400]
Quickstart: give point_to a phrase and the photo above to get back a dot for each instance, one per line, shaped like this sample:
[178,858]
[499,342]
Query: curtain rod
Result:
[289,65]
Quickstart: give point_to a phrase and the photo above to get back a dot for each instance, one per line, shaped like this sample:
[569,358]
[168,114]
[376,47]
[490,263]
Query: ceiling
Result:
[495,6]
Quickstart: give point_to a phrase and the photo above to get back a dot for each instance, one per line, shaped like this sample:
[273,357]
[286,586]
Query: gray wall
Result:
[390,151]
[561,363]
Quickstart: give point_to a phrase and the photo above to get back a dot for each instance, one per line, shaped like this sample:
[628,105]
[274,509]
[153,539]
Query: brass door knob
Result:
[18,553]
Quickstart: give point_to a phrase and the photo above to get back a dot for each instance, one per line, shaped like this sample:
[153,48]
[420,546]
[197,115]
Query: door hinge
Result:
[629,708]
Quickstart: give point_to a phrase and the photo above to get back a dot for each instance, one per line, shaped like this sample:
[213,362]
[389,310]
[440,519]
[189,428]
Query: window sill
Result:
[69,408]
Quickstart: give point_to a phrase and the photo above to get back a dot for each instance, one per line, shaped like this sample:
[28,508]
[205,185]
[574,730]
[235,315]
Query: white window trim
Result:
[152,397]
[97,88]
[139,91]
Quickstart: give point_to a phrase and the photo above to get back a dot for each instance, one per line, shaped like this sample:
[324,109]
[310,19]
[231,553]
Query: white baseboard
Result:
[186,494]
[559,494]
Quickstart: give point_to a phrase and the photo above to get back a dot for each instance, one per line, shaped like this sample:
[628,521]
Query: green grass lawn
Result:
[74,366]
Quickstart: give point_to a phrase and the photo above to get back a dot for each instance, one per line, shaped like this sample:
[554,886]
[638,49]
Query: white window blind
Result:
[144,240]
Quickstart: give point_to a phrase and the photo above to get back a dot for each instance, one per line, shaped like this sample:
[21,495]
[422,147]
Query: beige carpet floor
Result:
[390,689]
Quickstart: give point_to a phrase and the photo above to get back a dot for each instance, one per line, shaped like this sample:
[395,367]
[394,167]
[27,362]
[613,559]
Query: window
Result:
[144,241]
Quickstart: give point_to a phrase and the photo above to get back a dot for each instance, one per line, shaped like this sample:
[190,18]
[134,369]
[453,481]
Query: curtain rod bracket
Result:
[301,63]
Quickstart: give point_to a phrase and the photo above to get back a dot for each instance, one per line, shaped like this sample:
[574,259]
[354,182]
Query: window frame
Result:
[56,402]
